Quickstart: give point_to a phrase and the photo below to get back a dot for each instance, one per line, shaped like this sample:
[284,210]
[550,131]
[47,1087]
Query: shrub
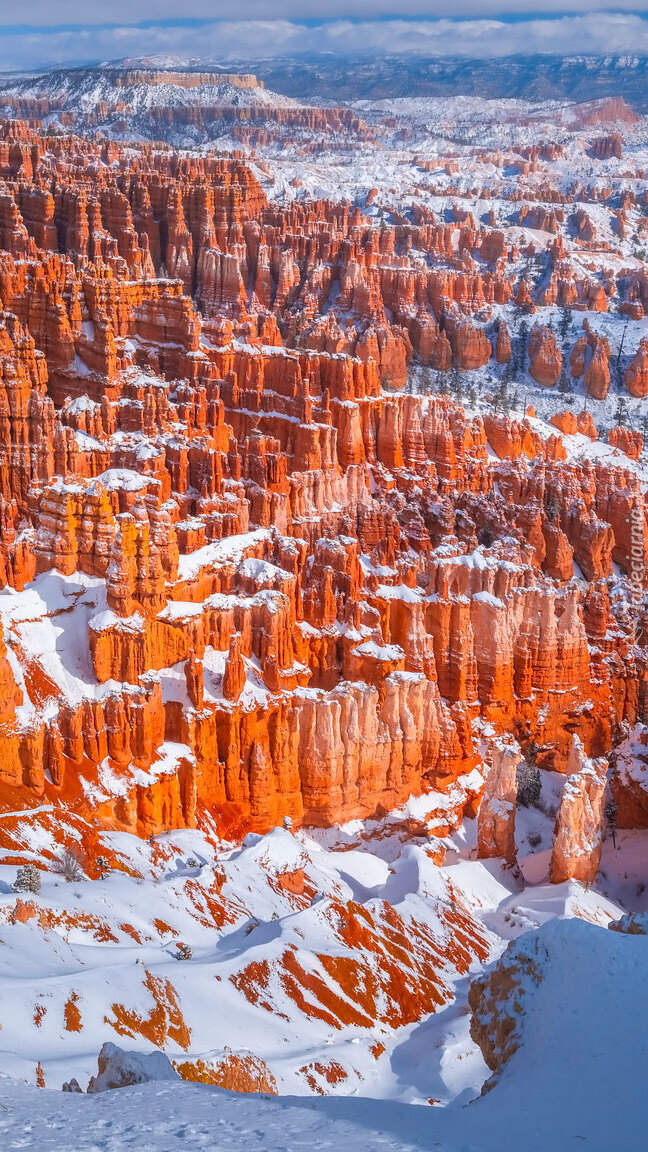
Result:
[611,819]
[69,865]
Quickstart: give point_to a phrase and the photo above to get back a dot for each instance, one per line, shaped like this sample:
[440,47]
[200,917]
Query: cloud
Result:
[601,33]
[50,13]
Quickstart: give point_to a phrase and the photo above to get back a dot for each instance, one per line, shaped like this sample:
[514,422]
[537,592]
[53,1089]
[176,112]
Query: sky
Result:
[49,32]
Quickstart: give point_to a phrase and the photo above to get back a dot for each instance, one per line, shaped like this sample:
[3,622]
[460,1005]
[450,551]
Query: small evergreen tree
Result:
[562,382]
[442,384]
[553,509]
[529,784]
[611,819]
[515,365]
[565,323]
[456,383]
[27,879]
[621,414]
[501,398]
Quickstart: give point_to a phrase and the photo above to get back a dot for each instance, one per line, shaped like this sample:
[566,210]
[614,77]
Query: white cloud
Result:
[588,33]
[58,12]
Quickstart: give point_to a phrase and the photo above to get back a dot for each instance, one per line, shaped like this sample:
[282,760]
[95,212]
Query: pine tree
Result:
[565,323]
[456,386]
[611,819]
[519,348]
[502,401]
[529,784]
[27,879]
[553,509]
[621,414]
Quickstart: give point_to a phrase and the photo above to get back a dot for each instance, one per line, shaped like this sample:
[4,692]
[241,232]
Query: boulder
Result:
[121,1068]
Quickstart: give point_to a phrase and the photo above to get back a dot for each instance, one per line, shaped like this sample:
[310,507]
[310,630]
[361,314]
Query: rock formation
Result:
[545,358]
[579,824]
[636,376]
[629,780]
[289,584]
[496,822]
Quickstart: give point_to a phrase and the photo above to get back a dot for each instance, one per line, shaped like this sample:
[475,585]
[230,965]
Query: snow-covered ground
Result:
[576,1081]
[272,931]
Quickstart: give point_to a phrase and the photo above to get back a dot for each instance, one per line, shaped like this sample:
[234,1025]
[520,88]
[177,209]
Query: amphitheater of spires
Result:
[289,587]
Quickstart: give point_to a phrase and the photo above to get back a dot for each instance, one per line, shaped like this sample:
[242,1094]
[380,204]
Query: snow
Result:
[632,757]
[45,628]
[388,652]
[110,936]
[120,1068]
[398,592]
[261,570]
[119,480]
[488,598]
[584,1047]
[160,1117]
[221,551]
[107,620]
[177,610]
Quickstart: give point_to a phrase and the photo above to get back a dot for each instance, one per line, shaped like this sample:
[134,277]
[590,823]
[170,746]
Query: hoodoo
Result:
[323,613]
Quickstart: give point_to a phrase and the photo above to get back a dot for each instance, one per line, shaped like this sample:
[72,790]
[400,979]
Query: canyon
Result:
[323,538]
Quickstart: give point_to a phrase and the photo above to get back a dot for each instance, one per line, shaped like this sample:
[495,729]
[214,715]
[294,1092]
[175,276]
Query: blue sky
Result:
[48,32]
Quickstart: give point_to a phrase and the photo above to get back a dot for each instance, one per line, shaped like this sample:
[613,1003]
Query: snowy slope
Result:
[132,107]
[338,960]
[575,1081]
[84,89]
